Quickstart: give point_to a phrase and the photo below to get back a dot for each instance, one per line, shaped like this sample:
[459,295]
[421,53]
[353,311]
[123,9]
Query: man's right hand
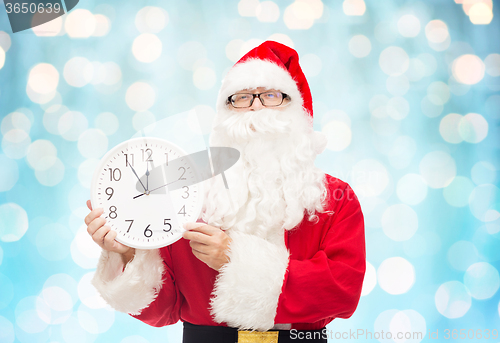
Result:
[104,236]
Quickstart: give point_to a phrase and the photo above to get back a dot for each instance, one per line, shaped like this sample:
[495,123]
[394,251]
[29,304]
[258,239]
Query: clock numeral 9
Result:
[148,233]
[148,159]
[169,225]
[110,192]
[115,174]
[112,212]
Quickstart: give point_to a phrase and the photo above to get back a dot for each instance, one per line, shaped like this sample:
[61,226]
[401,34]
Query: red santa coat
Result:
[316,276]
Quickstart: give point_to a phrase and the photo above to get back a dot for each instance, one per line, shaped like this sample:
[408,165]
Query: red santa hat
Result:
[271,65]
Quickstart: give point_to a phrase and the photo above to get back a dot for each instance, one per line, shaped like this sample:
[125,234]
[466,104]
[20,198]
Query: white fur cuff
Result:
[247,288]
[136,287]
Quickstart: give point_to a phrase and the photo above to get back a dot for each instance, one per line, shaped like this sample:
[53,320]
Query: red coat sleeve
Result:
[328,285]
[165,309]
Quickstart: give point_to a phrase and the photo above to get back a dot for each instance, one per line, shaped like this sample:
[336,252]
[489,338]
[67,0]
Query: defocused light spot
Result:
[386,32]
[440,92]
[462,254]
[311,65]
[96,321]
[142,120]
[483,199]
[84,251]
[88,294]
[402,152]
[482,280]
[300,15]
[398,108]
[436,31]
[51,176]
[92,143]
[468,4]
[49,29]
[480,14]
[369,178]
[416,70]
[283,39]
[394,61]
[2,57]
[482,172]
[250,44]
[382,124]
[42,154]
[399,222]
[80,23]
[204,78]
[429,107]
[233,50]
[409,25]
[373,208]
[15,143]
[336,115]
[430,63]
[53,249]
[102,25]
[147,48]
[468,69]
[140,96]
[457,192]
[360,46]
[71,125]
[27,317]
[14,223]
[370,280]
[354,7]
[51,118]
[73,332]
[377,101]
[338,134]
[7,288]
[7,334]
[107,122]
[43,78]
[492,63]
[452,299]
[15,120]
[396,275]
[267,12]
[438,169]
[189,53]
[407,321]
[383,321]
[473,128]
[397,85]
[78,71]
[9,173]
[151,19]
[448,128]
[5,41]
[248,8]
[411,189]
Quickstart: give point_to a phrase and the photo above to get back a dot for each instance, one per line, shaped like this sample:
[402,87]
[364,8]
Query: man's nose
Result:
[256,105]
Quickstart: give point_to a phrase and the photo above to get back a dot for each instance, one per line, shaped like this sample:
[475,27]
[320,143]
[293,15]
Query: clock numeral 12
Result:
[148,159]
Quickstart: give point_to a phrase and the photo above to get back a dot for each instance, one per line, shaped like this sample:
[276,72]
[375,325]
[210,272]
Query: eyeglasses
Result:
[268,99]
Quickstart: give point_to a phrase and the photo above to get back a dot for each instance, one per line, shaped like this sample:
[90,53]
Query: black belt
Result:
[221,334]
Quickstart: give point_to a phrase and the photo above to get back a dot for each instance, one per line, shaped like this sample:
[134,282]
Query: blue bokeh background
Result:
[407,92]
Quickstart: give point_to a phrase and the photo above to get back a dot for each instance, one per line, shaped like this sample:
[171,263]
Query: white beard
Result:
[274,184]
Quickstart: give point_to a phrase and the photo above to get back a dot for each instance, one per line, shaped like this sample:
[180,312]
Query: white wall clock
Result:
[148,187]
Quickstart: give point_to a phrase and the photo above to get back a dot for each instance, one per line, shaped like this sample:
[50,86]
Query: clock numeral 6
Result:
[112,212]
[109,191]
[169,225]
[148,233]
[115,174]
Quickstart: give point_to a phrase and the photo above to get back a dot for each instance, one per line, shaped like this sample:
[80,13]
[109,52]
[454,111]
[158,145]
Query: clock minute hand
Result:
[137,177]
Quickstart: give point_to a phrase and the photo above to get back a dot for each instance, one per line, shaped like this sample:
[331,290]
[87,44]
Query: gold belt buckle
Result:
[258,337]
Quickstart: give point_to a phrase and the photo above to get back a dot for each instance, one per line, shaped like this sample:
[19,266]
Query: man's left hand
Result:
[209,244]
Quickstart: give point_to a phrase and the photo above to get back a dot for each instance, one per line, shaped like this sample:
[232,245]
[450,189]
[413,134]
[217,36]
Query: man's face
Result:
[257,104]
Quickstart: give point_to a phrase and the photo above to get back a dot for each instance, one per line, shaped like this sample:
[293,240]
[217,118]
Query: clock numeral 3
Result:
[131,222]
[112,212]
[187,192]
[148,233]
[169,225]
[115,174]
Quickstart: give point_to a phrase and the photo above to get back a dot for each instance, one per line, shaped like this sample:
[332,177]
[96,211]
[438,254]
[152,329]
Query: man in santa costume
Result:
[279,254]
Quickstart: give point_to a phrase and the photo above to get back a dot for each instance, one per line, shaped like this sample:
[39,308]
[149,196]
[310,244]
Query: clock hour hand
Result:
[145,190]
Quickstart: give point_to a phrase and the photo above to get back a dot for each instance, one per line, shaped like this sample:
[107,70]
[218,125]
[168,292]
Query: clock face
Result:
[148,189]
